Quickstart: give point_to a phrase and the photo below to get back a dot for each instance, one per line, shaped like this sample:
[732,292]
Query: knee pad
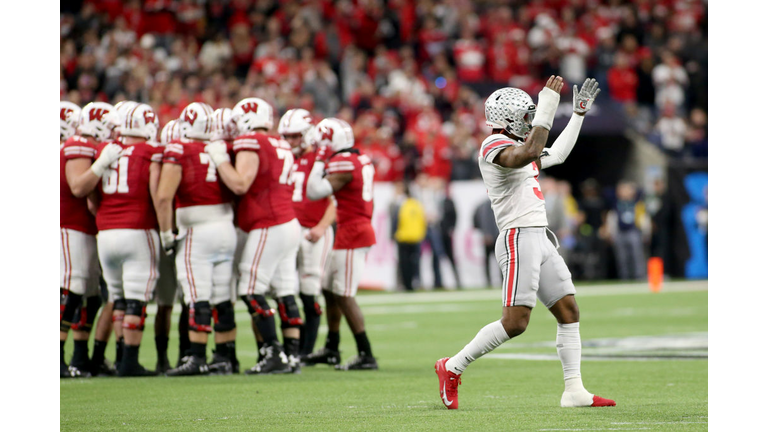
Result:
[200,317]
[68,309]
[289,312]
[224,317]
[136,308]
[88,314]
[258,306]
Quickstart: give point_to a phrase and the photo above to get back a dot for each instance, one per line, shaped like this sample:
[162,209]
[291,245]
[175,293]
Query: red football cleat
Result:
[597,401]
[449,383]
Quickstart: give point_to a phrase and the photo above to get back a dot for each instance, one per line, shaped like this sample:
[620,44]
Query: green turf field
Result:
[647,351]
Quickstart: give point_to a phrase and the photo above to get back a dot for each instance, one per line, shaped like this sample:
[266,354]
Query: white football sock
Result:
[487,339]
[569,350]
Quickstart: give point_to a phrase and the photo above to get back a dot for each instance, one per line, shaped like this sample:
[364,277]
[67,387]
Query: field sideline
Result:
[647,351]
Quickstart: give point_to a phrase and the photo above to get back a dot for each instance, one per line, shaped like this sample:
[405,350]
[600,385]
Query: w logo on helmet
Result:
[250,107]
[65,113]
[149,117]
[327,133]
[96,114]
[190,116]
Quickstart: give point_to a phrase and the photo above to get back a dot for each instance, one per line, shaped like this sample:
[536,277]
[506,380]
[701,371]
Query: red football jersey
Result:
[269,200]
[200,183]
[308,212]
[354,202]
[125,199]
[73,211]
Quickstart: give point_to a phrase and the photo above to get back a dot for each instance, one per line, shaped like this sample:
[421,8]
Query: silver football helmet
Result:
[511,110]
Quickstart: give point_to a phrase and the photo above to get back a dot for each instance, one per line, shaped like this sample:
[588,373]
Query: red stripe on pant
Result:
[152,273]
[256,260]
[348,274]
[67,259]
[188,266]
[511,268]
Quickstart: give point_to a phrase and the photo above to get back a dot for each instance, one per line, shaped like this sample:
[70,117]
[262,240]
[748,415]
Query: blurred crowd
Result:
[409,75]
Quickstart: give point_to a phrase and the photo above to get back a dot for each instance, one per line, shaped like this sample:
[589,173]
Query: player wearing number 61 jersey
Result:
[128,242]
[526,250]
[349,177]
[206,240]
[261,175]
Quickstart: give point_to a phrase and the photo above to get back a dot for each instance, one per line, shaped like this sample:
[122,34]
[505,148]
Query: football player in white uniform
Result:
[510,160]
[315,218]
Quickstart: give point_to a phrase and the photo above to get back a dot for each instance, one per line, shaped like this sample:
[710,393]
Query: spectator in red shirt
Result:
[622,80]
[469,56]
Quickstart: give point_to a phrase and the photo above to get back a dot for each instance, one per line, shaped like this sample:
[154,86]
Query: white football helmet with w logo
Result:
[170,132]
[70,115]
[252,113]
[224,128]
[196,122]
[511,110]
[335,133]
[140,122]
[94,120]
[297,121]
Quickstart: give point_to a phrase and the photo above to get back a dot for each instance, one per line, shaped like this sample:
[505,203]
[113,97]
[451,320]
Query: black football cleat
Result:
[105,369]
[359,362]
[322,356]
[274,362]
[190,365]
[220,365]
[76,372]
[133,370]
[163,365]
[64,370]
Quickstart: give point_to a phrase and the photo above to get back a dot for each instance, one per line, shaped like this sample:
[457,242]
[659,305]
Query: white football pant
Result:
[129,260]
[347,268]
[204,262]
[269,259]
[78,262]
[314,265]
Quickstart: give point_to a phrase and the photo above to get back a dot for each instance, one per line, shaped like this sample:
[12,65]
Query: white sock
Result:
[569,350]
[487,339]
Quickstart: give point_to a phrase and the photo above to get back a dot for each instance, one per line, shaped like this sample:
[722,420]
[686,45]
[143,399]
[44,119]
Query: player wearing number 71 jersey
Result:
[206,241]
[350,179]
[261,175]
[510,160]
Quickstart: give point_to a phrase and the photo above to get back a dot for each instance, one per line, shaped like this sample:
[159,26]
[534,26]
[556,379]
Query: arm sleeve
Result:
[74,149]
[318,187]
[564,143]
[173,153]
[247,143]
[339,164]
[490,149]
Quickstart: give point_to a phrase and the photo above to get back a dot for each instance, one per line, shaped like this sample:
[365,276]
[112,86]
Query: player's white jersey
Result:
[515,195]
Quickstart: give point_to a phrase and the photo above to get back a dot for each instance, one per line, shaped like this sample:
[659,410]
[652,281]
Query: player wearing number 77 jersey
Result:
[350,179]
[510,160]
[206,241]
[261,176]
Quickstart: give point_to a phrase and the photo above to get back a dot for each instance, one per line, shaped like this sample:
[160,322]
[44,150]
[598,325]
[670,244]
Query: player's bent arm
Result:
[170,178]
[80,178]
[317,186]
[239,178]
[520,156]
[338,180]
[564,143]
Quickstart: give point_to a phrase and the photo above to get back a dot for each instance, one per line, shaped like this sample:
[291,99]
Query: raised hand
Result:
[583,99]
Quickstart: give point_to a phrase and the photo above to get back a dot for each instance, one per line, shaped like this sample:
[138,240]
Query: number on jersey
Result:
[368,173]
[205,159]
[116,177]
[537,189]
[298,177]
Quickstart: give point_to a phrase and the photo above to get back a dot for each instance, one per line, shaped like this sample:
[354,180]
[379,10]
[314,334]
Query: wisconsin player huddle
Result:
[232,205]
